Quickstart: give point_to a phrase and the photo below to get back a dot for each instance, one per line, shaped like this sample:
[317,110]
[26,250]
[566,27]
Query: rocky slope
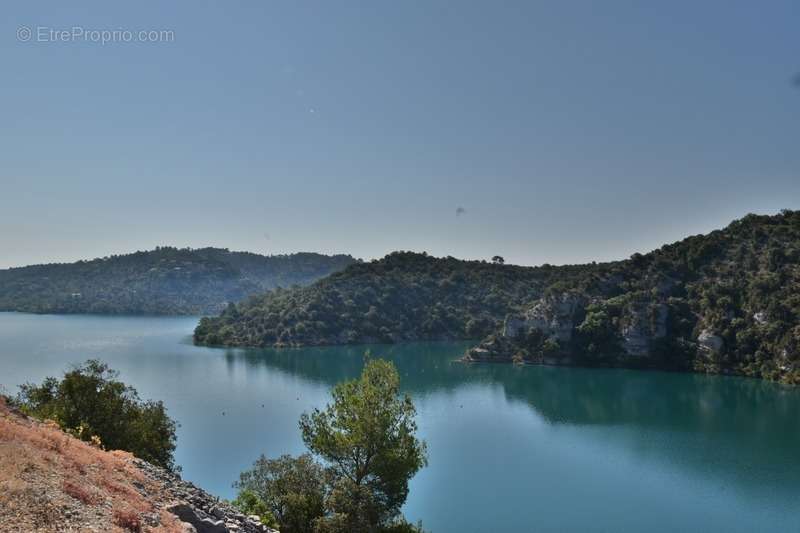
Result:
[52,482]
[164,281]
[728,301]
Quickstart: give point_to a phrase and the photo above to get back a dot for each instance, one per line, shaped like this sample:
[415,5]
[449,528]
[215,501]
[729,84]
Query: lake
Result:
[511,449]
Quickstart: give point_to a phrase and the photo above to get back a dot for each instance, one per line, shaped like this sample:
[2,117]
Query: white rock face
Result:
[635,340]
[760,317]
[640,329]
[554,316]
[710,342]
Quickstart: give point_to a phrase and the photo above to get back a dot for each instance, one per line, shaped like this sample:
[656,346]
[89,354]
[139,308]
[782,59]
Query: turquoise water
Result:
[511,449]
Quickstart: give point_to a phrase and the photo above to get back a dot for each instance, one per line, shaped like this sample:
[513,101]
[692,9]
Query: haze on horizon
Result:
[558,132]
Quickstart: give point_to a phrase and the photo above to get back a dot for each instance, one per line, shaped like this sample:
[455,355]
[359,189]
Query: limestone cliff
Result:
[568,328]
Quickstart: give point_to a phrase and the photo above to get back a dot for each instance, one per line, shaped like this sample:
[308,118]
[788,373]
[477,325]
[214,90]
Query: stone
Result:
[710,342]
[188,514]
[634,339]
[552,315]
[643,323]
[555,316]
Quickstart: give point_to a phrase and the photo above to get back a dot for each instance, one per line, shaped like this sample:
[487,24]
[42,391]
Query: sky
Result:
[558,132]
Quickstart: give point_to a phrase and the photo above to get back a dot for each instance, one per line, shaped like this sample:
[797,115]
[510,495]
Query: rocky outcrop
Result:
[495,348]
[553,331]
[760,318]
[553,315]
[189,515]
[199,510]
[710,342]
[643,323]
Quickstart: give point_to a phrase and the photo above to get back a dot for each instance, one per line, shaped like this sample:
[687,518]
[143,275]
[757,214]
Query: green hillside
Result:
[728,301]
[163,281]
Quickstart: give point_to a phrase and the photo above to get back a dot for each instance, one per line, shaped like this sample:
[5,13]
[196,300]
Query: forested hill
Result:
[728,301]
[163,281]
[404,296]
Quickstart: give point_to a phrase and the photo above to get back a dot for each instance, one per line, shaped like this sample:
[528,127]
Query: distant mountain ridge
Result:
[163,281]
[728,301]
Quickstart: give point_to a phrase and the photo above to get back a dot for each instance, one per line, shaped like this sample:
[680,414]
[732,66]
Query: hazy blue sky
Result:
[567,131]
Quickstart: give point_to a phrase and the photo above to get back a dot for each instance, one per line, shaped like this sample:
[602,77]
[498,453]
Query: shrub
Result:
[290,489]
[91,404]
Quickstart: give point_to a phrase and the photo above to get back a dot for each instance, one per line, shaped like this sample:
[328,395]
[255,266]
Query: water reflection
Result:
[733,428]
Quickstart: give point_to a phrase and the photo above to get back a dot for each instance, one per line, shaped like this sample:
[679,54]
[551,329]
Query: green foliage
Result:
[163,281]
[401,526]
[366,438]
[90,402]
[249,503]
[598,334]
[291,489]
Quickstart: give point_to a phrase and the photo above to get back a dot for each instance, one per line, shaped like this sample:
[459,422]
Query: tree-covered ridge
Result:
[404,296]
[728,301]
[164,281]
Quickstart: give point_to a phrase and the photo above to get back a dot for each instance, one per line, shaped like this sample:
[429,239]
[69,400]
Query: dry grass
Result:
[46,475]
[128,519]
[81,493]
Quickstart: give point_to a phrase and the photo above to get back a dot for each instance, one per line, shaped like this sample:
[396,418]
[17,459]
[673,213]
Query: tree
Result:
[498,260]
[90,402]
[291,489]
[597,334]
[367,437]
[250,504]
